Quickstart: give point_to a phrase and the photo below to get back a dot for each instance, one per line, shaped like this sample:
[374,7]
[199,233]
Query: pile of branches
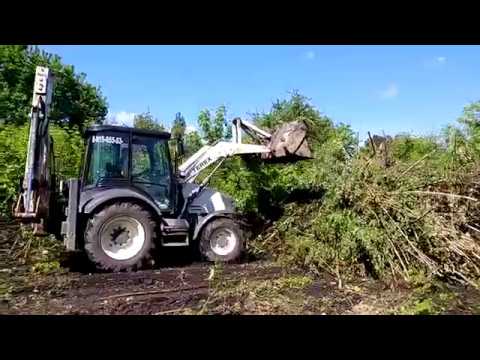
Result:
[390,218]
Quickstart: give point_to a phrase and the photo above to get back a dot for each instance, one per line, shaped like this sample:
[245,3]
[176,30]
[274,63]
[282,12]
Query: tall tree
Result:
[179,126]
[75,101]
[193,143]
[148,122]
[214,128]
[470,119]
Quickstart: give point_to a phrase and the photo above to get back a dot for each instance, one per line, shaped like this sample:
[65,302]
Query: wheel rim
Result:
[122,237]
[223,242]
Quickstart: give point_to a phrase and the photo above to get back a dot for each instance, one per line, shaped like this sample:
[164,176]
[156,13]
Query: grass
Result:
[431,297]
[251,296]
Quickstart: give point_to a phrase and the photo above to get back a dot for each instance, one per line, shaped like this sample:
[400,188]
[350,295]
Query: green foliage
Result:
[371,220]
[342,212]
[68,148]
[257,186]
[283,295]
[214,128]
[429,297]
[294,282]
[76,103]
[147,121]
[193,143]
[179,126]
[46,267]
[470,120]
[409,148]
[351,214]
[13,147]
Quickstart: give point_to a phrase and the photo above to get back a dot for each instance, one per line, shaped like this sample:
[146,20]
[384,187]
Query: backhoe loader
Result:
[129,198]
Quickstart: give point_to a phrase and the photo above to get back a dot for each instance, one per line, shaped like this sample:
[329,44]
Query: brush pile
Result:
[396,208]
[394,221]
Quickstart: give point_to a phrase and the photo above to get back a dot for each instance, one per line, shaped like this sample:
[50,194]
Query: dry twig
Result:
[153,292]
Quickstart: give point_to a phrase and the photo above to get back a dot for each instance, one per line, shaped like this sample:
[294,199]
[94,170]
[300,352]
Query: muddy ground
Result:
[191,287]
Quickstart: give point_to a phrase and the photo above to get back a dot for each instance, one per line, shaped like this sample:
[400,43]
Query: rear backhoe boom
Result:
[33,202]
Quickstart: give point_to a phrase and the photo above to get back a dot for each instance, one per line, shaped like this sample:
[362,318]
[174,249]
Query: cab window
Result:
[150,162]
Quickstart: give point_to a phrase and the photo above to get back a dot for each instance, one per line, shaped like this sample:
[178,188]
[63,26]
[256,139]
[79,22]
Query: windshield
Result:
[108,159]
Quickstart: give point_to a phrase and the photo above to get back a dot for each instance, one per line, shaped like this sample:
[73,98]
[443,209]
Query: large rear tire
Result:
[120,237]
[222,240]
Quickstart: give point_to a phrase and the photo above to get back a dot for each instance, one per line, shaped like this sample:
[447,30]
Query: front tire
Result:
[120,237]
[222,240]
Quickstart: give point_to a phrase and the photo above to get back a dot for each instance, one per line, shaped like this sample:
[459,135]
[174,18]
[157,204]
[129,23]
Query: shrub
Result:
[68,149]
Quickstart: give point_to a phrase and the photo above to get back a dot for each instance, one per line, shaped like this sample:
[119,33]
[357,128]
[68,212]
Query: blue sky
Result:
[416,89]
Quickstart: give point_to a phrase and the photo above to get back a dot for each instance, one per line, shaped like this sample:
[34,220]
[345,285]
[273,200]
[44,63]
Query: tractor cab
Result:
[136,159]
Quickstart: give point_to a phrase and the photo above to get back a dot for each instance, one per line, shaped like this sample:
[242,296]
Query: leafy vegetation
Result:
[76,105]
[416,213]
[148,122]
[76,102]
[214,127]
[392,209]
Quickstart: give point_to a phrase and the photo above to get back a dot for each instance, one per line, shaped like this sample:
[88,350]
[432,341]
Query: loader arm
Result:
[288,142]
[209,154]
[33,200]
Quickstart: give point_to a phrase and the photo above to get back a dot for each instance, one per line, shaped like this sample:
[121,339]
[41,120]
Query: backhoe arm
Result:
[33,200]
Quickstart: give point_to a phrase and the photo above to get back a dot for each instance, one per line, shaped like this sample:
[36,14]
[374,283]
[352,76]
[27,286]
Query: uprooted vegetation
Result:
[384,222]
[406,206]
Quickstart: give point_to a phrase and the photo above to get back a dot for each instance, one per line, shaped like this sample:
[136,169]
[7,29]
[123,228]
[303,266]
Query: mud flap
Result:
[289,143]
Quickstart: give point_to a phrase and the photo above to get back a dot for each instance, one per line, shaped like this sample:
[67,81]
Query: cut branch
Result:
[153,292]
[441,194]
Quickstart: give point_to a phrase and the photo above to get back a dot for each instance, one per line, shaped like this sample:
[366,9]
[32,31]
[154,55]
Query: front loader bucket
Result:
[289,143]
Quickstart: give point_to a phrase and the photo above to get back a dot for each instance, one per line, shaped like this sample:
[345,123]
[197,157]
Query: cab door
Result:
[151,169]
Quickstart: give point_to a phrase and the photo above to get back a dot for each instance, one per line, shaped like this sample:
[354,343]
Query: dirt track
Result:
[164,291]
[143,292]
[184,287]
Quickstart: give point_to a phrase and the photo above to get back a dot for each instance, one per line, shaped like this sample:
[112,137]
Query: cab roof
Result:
[128,130]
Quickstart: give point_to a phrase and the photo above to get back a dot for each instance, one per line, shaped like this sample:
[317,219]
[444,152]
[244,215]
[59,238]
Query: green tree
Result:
[178,128]
[257,185]
[76,103]
[148,122]
[68,149]
[470,119]
[193,143]
[214,128]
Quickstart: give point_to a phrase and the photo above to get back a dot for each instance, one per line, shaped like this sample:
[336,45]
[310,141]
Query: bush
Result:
[13,148]
[68,149]
[258,187]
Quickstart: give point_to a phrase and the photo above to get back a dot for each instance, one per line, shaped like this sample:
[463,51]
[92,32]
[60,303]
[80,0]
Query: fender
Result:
[89,201]
[214,215]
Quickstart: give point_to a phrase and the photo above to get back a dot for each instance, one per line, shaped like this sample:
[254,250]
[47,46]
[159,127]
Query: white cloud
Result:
[310,55]
[121,118]
[189,129]
[390,92]
[435,62]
